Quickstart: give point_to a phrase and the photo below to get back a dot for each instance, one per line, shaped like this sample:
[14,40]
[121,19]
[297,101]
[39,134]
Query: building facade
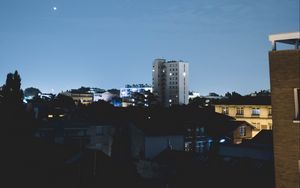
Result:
[83,98]
[130,89]
[170,81]
[260,116]
[284,68]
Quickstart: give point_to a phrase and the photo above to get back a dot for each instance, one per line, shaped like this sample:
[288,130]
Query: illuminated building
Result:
[130,94]
[105,96]
[170,81]
[130,89]
[83,98]
[255,110]
[285,89]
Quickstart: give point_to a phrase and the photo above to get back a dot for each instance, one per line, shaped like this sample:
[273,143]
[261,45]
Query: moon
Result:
[54,8]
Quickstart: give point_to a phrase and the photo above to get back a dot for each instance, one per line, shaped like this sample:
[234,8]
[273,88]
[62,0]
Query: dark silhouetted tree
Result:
[12,93]
[264,93]
[232,95]
[64,101]
[213,94]
[114,91]
[31,91]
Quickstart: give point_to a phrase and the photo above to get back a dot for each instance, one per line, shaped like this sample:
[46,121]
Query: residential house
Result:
[256,110]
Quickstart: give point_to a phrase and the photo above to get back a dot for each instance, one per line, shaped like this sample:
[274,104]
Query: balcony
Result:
[239,115]
[255,115]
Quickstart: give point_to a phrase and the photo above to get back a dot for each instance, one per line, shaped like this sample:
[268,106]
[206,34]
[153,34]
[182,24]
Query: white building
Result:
[170,81]
[129,89]
[105,96]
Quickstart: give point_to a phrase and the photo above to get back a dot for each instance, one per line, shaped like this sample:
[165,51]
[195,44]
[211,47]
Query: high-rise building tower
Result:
[285,92]
[170,81]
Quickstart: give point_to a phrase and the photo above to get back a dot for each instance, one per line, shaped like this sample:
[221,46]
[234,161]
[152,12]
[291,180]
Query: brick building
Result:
[285,83]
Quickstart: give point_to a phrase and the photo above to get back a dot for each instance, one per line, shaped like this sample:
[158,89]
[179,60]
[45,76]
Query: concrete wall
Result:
[137,143]
[157,76]
[183,83]
[102,138]
[285,76]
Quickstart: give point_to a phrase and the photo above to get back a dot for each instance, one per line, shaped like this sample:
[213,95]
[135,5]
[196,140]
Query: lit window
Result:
[240,111]
[243,131]
[270,112]
[50,116]
[170,74]
[255,112]
[184,74]
[297,104]
[225,110]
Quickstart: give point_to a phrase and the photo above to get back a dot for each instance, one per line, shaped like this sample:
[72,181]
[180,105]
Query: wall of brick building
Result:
[285,76]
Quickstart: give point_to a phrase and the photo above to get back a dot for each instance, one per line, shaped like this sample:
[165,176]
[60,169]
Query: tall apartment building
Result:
[170,81]
[285,90]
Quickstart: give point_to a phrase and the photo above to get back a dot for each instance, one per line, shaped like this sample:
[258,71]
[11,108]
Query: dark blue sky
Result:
[111,43]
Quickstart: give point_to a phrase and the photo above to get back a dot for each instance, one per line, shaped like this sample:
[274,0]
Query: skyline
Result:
[67,44]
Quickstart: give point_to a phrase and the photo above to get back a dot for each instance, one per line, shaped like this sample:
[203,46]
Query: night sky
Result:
[63,44]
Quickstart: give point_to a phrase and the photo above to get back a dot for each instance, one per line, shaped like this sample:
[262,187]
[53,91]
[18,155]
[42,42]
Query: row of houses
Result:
[147,139]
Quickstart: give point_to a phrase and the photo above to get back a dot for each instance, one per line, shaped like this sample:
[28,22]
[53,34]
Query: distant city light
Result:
[222,140]
[50,116]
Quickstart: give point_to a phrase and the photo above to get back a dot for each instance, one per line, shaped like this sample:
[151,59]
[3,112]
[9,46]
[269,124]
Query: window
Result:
[255,112]
[99,131]
[270,112]
[297,104]
[225,110]
[240,111]
[243,131]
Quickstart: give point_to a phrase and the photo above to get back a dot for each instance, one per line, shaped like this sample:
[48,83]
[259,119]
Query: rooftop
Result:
[246,100]
[292,38]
